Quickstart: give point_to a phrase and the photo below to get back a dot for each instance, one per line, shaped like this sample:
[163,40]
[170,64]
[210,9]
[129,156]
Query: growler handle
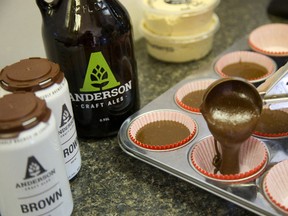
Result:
[45,6]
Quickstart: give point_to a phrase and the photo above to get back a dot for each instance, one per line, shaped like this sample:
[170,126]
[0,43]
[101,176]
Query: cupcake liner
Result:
[253,158]
[188,88]
[276,186]
[246,56]
[270,39]
[162,115]
[263,134]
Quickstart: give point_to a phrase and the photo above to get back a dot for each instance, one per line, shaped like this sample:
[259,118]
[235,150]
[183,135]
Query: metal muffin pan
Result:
[177,162]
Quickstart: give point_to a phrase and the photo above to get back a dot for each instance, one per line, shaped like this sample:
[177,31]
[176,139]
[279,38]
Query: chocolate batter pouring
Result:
[231,108]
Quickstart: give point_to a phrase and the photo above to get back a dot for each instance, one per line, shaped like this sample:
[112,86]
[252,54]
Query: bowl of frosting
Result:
[179,30]
[178,17]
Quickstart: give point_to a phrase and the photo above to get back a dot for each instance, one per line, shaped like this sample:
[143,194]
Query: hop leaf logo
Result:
[34,169]
[66,116]
[99,77]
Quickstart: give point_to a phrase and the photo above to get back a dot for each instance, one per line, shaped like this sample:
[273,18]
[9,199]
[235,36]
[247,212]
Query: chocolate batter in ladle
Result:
[231,108]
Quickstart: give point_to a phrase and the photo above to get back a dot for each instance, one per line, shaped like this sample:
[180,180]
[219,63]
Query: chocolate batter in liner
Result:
[272,124]
[189,96]
[247,70]
[249,65]
[253,158]
[162,130]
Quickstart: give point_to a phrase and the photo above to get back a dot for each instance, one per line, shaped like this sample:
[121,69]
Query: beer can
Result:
[46,80]
[33,176]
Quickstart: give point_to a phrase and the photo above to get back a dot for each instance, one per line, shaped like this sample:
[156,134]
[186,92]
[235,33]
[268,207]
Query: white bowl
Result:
[180,48]
[176,18]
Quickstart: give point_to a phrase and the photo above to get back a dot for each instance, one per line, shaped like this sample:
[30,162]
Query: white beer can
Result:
[45,79]
[33,175]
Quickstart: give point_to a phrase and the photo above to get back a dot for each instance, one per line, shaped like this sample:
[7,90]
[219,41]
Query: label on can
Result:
[45,79]
[58,100]
[33,176]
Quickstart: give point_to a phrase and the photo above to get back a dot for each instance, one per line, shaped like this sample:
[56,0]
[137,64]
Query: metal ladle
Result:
[232,108]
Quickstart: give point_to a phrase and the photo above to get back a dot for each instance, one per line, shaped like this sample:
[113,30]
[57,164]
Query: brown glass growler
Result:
[92,42]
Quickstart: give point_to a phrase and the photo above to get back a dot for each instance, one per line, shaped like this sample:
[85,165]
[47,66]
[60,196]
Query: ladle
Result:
[231,108]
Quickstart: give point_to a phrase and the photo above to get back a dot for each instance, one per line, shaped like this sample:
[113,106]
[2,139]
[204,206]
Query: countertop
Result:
[112,183]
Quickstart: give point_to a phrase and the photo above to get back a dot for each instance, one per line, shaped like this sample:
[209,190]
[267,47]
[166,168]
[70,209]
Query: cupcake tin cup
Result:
[175,120]
[253,158]
[184,91]
[270,39]
[247,192]
[279,119]
[240,57]
[276,186]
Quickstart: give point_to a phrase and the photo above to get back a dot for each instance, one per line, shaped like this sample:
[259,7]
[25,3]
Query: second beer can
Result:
[46,80]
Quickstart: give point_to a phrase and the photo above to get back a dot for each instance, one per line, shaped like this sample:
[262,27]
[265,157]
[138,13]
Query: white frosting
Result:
[181,48]
[164,18]
[180,6]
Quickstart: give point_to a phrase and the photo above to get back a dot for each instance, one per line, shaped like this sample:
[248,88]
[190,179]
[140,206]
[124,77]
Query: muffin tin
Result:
[248,192]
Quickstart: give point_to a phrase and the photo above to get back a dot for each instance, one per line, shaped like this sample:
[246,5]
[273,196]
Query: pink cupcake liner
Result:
[188,88]
[162,115]
[270,39]
[271,135]
[276,186]
[253,158]
[246,56]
